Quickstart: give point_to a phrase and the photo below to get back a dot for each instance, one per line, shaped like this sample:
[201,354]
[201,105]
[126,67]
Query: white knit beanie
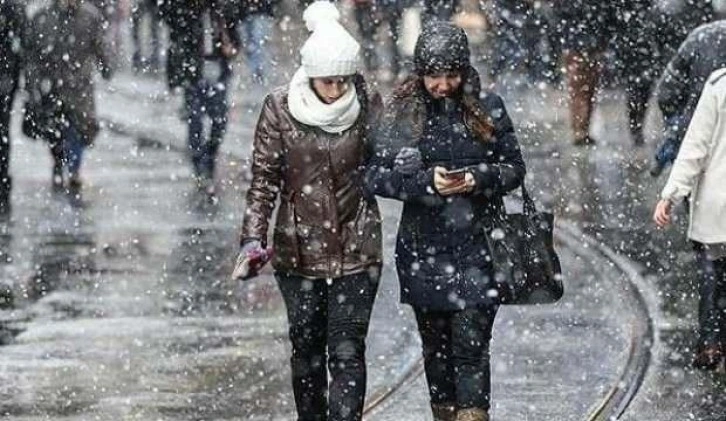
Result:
[330,50]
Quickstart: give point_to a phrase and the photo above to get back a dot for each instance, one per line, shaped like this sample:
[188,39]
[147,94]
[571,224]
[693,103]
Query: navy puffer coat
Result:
[441,251]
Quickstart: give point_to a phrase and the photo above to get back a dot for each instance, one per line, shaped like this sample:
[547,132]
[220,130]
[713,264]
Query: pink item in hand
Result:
[249,265]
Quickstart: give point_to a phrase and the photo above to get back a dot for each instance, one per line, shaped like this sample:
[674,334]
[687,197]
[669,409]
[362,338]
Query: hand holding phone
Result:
[448,183]
[457,175]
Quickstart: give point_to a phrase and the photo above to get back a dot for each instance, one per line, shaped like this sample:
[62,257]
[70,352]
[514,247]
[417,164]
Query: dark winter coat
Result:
[325,225]
[12,25]
[702,53]
[64,48]
[185,55]
[186,22]
[441,249]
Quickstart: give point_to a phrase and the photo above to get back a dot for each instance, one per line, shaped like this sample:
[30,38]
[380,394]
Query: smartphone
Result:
[458,174]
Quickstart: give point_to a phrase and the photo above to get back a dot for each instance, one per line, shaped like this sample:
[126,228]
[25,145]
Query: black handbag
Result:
[527,269]
[39,121]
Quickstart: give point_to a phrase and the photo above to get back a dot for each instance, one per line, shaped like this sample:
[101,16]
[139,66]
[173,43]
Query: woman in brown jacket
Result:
[310,150]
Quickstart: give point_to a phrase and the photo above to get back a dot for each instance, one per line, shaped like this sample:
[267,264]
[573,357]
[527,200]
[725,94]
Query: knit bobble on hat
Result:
[320,12]
[330,50]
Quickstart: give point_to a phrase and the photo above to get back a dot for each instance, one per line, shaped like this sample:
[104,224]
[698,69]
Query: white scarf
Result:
[307,108]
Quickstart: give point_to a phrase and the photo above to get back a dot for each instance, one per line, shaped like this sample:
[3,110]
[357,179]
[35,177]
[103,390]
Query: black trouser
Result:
[712,301]
[640,67]
[206,98]
[328,327]
[456,355]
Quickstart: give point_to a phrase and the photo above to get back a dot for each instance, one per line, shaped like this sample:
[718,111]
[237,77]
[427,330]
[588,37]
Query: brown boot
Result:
[444,411]
[472,414]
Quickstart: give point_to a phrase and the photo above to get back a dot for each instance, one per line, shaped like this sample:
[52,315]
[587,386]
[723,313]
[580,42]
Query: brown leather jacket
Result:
[326,226]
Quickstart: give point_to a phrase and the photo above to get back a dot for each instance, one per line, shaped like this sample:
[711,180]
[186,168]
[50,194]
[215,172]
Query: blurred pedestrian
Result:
[698,173]
[64,48]
[370,15]
[12,26]
[588,29]
[146,9]
[200,64]
[681,85]
[634,42]
[524,35]
[257,21]
[113,12]
[309,150]
[449,152]
[663,24]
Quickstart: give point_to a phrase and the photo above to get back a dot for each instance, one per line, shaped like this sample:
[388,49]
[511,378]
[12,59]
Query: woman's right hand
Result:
[242,267]
[448,186]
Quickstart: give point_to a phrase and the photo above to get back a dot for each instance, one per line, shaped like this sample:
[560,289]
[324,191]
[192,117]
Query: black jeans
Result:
[206,98]
[456,355]
[328,327]
[712,301]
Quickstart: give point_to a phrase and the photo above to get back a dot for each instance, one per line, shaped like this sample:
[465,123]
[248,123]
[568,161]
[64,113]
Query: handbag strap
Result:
[528,205]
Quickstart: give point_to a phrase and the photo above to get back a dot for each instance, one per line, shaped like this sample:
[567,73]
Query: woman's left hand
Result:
[408,161]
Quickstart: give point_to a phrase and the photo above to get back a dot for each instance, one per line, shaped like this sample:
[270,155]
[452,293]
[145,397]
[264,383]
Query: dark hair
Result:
[476,118]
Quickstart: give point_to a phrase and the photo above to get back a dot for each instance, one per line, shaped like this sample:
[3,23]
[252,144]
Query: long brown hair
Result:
[475,117]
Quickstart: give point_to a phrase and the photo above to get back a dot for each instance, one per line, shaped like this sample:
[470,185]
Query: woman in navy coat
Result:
[449,152]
